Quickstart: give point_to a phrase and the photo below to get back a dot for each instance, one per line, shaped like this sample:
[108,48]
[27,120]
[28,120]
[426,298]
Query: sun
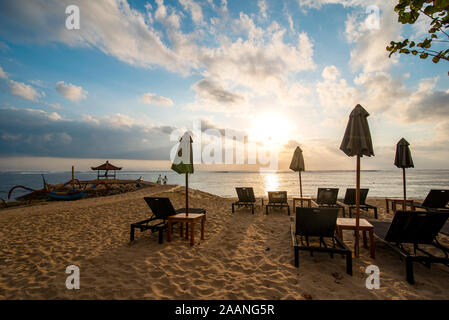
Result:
[270,129]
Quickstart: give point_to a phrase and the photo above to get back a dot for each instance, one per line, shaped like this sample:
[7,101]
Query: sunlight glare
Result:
[270,129]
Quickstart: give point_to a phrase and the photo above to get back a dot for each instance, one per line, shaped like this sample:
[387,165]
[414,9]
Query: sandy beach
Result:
[243,256]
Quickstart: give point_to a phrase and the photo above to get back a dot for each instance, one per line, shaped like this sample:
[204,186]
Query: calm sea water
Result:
[381,183]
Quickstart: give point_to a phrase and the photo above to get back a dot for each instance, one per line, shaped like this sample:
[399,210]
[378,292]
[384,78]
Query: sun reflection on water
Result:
[271,182]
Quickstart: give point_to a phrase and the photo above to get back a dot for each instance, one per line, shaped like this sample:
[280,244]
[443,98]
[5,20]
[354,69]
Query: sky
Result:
[137,74]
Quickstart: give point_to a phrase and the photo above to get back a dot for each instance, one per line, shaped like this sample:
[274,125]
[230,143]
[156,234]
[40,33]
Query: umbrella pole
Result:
[300,186]
[357,203]
[405,194]
[187,194]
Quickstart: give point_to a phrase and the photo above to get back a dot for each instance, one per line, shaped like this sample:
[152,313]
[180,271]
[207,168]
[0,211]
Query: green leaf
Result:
[436,59]
[424,55]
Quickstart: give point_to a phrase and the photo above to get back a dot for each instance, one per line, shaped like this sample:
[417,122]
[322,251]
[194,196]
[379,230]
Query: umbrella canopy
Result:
[297,165]
[183,162]
[357,142]
[403,159]
[357,139]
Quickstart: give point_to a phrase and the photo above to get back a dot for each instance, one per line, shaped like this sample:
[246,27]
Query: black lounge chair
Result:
[436,199]
[414,228]
[277,199]
[318,223]
[162,208]
[246,199]
[445,229]
[327,197]
[350,201]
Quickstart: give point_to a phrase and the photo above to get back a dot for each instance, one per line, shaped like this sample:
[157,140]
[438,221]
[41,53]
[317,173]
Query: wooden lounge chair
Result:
[318,224]
[161,208]
[436,199]
[327,197]
[277,199]
[246,199]
[408,231]
[350,201]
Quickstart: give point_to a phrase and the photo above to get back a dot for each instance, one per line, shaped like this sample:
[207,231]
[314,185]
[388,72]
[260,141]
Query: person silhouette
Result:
[159,180]
[164,180]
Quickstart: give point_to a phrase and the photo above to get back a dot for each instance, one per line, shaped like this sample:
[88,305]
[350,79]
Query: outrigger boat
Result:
[73,194]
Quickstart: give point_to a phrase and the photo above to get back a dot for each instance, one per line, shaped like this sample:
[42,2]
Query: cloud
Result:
[262,64]
[212,91]
[3,74]
[427,104]
[317,4]
[112,27]
[25,91]
[70,91]
[381,92]
[334,92]
[171,20]
[194,9]
[33,132]
[262,4]
[330,73]
[151,98]
[369,53]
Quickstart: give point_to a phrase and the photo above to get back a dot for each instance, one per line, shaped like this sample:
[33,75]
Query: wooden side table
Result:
[395,201]
[364,226]
[302,199]
[190,219]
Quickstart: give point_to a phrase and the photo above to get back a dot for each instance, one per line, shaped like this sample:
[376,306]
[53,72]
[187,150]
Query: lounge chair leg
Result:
[288,207]
[232,208]
[344,214]
[349,263]
[375,213]
[131,238]
[296,257]
[409,270]
[252,209]
[161,234]
[266,210]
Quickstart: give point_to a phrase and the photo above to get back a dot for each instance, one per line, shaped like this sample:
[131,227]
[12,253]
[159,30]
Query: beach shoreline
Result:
[243,256]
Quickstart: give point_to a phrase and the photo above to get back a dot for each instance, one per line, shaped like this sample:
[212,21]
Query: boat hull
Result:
[70,195]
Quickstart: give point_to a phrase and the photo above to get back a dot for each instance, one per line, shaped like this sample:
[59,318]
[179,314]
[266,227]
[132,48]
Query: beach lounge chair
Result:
[350,201]
[318,224]
[161,208]
[277,199]
[327,197]
[246,199]
[408,231]
[445,229]
[436,199]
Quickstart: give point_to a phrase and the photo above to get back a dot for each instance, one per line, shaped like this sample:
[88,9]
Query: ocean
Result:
[381,183]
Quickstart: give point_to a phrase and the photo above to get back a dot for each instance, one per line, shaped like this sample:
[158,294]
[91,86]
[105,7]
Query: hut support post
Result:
[73,177]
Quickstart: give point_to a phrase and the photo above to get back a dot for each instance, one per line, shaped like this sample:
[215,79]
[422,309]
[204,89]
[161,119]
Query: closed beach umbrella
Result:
[403,159]
[297,165]
[183,162]
[357,142]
